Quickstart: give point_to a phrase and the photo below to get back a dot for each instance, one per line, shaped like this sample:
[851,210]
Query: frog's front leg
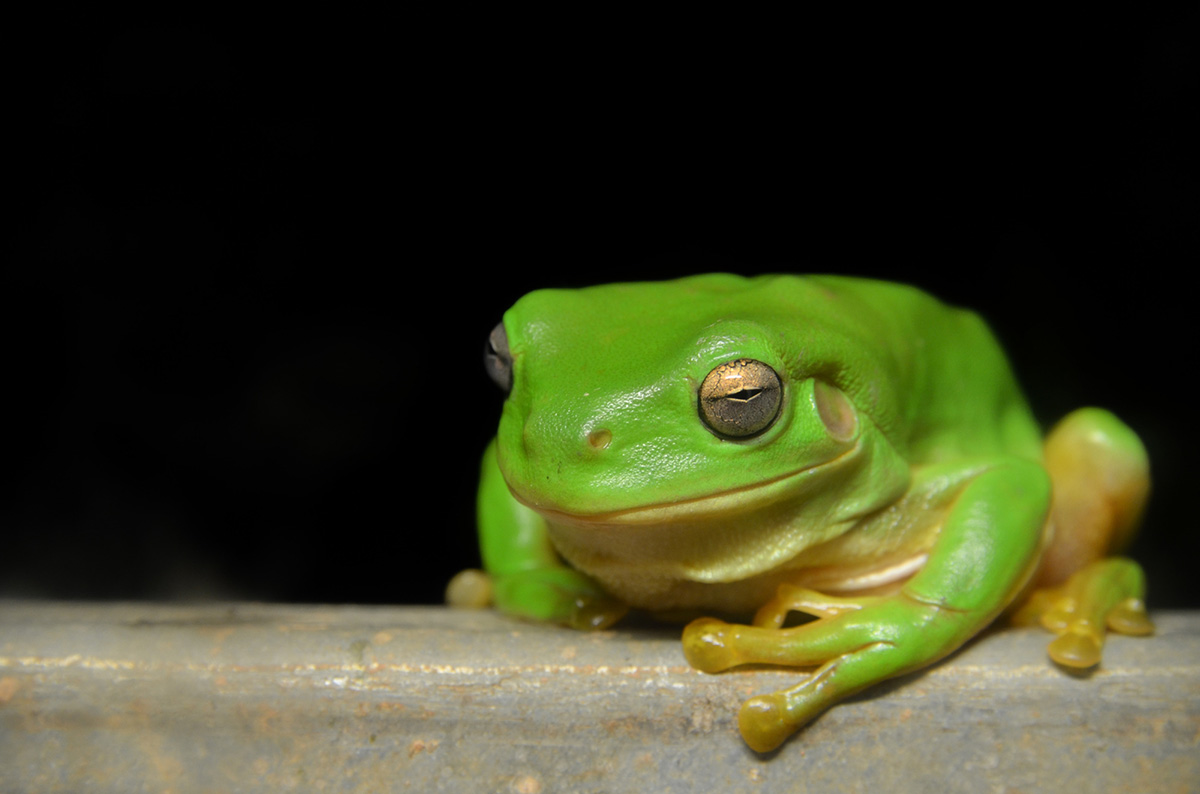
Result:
[525,577]
[986,550]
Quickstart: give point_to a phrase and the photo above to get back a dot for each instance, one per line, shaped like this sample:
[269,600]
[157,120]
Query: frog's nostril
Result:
[599,439]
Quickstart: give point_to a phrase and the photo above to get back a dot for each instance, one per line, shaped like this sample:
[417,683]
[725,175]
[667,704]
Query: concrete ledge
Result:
[249,697]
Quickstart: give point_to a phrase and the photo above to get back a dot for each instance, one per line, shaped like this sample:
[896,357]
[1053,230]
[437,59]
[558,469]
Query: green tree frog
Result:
[851,450]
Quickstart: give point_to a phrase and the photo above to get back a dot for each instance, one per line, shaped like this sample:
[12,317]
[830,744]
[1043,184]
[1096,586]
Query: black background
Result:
[249,281]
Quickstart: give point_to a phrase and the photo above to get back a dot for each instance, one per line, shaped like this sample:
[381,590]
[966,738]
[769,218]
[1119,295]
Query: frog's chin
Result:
[733,501]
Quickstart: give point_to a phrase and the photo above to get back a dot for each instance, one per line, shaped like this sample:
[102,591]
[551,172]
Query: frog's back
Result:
[932,377]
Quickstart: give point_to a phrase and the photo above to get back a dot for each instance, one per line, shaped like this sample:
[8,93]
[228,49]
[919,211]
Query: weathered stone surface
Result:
[250,697]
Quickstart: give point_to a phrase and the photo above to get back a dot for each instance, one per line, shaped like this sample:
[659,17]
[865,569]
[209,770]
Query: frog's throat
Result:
[672,554]
[734,500]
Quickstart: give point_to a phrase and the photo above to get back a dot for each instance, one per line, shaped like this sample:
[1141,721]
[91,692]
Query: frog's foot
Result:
[469,589]
[1107,593]
[766,721]
[852,649]
[557,595]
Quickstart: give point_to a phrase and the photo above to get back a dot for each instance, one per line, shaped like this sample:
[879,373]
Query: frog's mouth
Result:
[728,536]
[783,489]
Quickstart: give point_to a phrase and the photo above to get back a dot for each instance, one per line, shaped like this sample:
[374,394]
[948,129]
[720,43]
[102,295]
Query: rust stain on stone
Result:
[422,746]
[267,721]
[527,785]
[8,687]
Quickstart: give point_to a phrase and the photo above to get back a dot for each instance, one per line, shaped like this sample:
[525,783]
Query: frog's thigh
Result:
[1101,479]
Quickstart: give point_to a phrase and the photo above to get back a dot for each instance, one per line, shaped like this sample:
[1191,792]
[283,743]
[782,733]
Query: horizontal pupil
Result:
[745,395]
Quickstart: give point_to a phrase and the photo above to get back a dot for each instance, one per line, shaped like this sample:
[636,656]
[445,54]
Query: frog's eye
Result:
[497,360]
[740,398]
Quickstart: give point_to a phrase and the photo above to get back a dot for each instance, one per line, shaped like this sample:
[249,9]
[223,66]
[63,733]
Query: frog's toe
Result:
[710,645]
[594,613]
[469,589]
[1129,617]
[558,595]
[1059,617]
[1078,647]
[763,722]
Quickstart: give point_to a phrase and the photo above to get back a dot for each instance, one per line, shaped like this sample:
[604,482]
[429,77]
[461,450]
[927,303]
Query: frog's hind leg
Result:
[1101,479]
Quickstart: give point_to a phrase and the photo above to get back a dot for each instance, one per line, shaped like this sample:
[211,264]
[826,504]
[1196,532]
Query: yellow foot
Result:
[710,645]
[469,589]
[1104,596]
[763,722]
[594,613]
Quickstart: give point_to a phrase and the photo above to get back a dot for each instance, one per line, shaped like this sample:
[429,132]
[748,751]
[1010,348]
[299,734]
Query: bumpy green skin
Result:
[601,459]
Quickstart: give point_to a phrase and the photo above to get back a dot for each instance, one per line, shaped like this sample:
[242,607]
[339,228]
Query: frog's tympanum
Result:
[850,450]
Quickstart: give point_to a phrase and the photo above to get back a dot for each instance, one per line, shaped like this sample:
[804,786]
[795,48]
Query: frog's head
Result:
[635,402]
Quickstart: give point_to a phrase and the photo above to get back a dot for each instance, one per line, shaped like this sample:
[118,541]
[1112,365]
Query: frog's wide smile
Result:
[788,485]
